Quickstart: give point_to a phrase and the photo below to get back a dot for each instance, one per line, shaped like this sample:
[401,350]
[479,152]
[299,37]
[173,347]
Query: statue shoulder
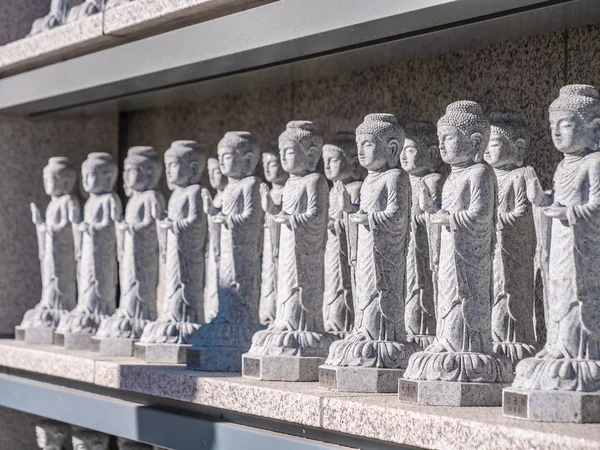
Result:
[592,162]
[482,172]
[434,181]
[193,190]
[396,177]
[316,180]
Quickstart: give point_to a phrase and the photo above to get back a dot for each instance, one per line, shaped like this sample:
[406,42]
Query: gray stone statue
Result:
[96,253]
[55,18]
[219,344]
[295,344]
[567,371]
[462,352]
[56,253]
[84,439]
[340,158]
[139,254]
[85,9]
[276,176]
[182,235]
[218,181]
[375,354]
[52,435]
[420,159]
[512,307]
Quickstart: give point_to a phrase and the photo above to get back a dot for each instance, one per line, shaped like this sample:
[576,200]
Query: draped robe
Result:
[211,297]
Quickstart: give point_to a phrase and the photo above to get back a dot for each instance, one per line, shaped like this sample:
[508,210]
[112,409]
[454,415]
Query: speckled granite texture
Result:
[374,416]
[25,146]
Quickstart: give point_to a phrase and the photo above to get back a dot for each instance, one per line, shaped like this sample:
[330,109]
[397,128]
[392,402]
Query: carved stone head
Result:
[59,177]
[379,139]
[84,439]
[340,157]
[184,164]
[575,119]
[508,139]
[142,169]
[216,178]
[51,435]
[99,173]
[300,147]
[463,133]
[420,153]
[272,169]
[238,154]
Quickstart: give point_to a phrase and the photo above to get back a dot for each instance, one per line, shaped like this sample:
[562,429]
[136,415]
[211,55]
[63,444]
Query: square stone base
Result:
[74,341]
[161,353]
[113,346]
[215,359]
[281,368]
[19,333]
[551,406]
[450,393]
[359,379]
[43,336]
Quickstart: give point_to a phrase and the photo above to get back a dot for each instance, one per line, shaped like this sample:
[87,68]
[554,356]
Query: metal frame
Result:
[163,422]
[283,32]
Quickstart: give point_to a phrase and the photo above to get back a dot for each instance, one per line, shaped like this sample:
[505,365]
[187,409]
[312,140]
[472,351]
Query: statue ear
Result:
[393,152]
[520,145]
[311,157]
[433,152]
[477,143]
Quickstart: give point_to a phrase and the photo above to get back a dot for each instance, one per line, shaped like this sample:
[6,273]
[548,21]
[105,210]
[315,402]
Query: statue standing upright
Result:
[513,270]
[219,344]
[138,250]
[276,176]
[460,363]
[84,439]
[374,355]
[182,235]
[567,371]
[295,344]
[52,435]
[419,158]
[340,159]
[56,252]
[96,254]
[218,181]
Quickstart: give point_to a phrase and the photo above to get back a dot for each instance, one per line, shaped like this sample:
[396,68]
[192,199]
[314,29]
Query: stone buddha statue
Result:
[420,159]
[52,435]
[56,246]
[55,18]
[276,177]
[84,439]
[513,269]
[85,9]
[138,248]
[183,235]
[340,160]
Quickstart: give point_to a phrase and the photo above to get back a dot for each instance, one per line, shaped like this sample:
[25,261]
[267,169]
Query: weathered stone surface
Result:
[551,406]
[161,353]
[215,359]
[450,393]
[359,379]
[74,341]
[44,336]
[281,368]
[113,346]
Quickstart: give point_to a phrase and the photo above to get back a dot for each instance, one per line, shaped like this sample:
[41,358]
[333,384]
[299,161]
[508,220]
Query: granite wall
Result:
[524,75]
[25,146]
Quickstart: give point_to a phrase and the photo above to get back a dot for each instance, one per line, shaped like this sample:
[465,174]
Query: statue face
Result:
[178,172]
[46,440]
[272,169]
[97,180]
[54,185]
[372,152]
[570,133]
[337,166]
[455,147]
[293,158]
[501,151]
[136,177]
[230,162]
[414,158]
[216,178]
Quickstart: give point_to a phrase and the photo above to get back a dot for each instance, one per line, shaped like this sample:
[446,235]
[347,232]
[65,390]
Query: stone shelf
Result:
[276,42]
[372,416]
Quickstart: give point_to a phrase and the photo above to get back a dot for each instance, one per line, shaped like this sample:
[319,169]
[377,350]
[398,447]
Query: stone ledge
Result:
[372,416]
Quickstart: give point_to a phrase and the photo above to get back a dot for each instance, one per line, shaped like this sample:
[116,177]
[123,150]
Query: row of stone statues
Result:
[63,12]
[52,435]
[406,278]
